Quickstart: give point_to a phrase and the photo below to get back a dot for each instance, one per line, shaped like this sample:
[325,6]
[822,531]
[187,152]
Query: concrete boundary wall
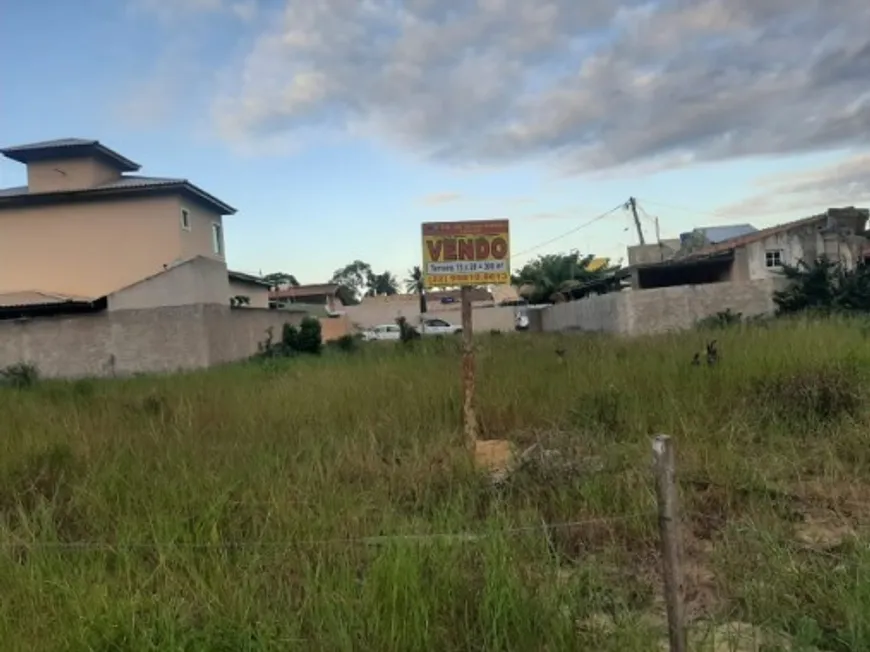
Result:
[125,342]
[486,317]
[637,312]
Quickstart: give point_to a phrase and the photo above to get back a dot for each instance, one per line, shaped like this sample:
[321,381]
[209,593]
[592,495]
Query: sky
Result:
[337,127]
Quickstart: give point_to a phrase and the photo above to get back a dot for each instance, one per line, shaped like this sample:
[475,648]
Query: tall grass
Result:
[279,506]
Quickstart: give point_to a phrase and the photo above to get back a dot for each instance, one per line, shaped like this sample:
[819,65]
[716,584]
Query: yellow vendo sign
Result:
[466,253]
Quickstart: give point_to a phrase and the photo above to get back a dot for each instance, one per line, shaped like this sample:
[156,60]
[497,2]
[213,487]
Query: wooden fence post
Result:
[669,533]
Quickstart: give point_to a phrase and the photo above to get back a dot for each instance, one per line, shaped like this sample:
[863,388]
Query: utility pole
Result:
[632,204]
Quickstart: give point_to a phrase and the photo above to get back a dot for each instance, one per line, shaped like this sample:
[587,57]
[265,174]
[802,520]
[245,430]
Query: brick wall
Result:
[131,341]
[663,309]
[331,328]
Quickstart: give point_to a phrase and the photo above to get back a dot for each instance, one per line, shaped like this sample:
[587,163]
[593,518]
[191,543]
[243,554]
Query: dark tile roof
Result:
[247,278]
[301,291]
[37,297]
[46,144]
[123,182]
[68,147]
[129,183]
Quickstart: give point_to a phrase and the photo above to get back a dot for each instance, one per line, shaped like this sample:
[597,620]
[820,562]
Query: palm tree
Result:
[384,284]
[414,285]
[552,278]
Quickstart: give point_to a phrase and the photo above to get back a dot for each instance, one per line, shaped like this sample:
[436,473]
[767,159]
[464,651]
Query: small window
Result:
[185,219]
[773,258]
[437,323]
[217,239]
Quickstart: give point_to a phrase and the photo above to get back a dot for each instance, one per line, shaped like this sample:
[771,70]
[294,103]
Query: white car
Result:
[382,332]
[438,327]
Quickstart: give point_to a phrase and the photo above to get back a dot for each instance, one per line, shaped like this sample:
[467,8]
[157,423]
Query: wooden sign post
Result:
[469,416]
[466,254]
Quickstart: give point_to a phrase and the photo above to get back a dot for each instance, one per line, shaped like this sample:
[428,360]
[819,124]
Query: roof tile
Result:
[126,182]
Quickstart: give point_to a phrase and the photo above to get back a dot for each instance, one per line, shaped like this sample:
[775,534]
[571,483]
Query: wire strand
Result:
[105,546]
[525,252]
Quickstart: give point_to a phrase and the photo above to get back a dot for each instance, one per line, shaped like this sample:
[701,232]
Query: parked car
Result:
[382,332]
[436,326]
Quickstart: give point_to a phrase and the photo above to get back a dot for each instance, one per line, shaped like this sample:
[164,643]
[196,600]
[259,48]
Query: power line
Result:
[567,233]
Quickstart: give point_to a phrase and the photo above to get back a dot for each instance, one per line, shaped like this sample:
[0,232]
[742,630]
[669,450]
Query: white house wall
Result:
[790,244]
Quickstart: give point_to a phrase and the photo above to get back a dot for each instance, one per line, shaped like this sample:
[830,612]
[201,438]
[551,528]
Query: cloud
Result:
[441,198]
[844,183]
[590,85]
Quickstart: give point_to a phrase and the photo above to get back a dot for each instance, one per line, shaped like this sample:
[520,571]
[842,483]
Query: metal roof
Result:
[68,147]
[717,234]
[757,236]
[125,183]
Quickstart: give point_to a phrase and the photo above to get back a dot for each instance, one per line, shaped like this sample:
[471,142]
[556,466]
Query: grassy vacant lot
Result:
[233,509]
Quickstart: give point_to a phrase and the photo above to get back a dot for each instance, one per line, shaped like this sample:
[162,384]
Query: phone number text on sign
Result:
[466,253]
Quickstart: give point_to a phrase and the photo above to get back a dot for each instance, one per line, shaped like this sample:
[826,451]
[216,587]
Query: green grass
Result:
[239,509]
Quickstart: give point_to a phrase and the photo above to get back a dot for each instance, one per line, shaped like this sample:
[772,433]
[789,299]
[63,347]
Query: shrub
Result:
[310,338]
[289,339]
[824,287]
[346,343]
[19,375]
[305,339]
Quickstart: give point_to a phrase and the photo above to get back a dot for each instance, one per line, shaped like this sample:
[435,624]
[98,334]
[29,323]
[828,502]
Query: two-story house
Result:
[85,226]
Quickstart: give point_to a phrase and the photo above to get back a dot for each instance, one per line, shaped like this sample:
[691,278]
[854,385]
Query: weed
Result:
[195,512]
[822,393]
[346,343]
[20,375]
[722,319]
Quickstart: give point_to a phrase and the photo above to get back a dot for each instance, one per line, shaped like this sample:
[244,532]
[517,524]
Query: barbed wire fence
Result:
[668,516]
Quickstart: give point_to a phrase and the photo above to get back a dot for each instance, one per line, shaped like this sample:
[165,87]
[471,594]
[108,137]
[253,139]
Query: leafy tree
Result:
[353,281]
[824,286]
[557,277]
[414,285]
[281,278]
[347,295]
[812,286]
